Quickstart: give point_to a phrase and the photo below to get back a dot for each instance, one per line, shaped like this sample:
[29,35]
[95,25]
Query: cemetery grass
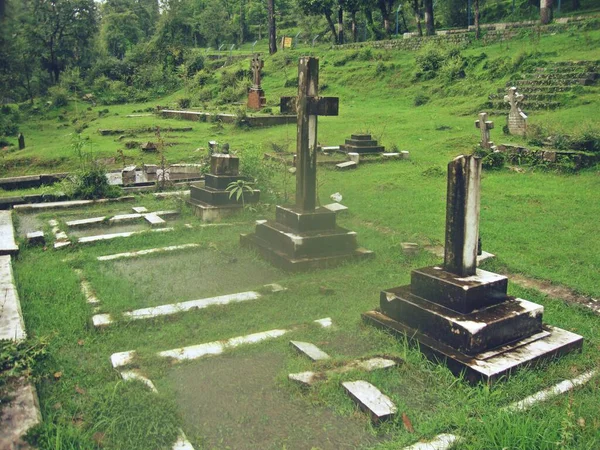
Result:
[85,405]
[538,223]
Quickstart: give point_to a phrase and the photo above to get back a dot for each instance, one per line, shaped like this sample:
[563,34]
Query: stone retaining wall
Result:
[489,34]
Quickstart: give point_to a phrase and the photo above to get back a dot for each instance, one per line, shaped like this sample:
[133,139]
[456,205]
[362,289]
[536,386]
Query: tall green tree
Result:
[321,8]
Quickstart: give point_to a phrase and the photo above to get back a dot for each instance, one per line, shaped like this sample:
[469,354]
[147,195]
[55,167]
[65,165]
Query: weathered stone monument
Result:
[517,119]
[21,139]
[361,144]
[256,96]
[484,126]
[304,236]
[213,201]
[462,315]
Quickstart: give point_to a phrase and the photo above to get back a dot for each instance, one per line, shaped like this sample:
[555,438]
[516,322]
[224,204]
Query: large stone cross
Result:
[517,119]
[485,126]
[256,65]
[514,98]
[308,106]
[462,215]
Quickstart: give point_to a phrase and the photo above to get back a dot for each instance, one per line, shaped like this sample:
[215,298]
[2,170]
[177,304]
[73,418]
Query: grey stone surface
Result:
[517,119]
[8,246]
[347,165]
[11,319]
[19,416]
[311,351]
[36,238]
[371,400]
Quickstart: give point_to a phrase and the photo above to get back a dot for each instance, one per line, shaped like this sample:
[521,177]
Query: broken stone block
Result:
[313,352]
[410,248]
[371,400]
[354,157]
[150,168]
[149,147]
[36,238]
[347,165]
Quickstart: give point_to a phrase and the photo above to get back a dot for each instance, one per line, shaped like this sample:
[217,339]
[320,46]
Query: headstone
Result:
[462,315]
[128,174]
[150,168]
[304,236]
[36,238]
[213,147]
[361,143]
[517,119]
[213,201]
[21,141]
[149,147]
[256,96]
[354,157]
[410,248]
[485,126]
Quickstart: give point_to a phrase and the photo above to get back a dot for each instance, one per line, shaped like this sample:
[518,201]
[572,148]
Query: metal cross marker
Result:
[256,65]
[462,215]
[485,126]
[308,106]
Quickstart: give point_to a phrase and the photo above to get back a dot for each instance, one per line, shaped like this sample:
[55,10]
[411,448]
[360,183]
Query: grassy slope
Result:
[538,223]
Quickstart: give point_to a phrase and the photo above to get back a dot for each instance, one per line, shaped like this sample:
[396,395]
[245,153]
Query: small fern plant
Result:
[239,189]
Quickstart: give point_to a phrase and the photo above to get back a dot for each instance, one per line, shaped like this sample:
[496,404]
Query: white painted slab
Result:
[370,398]
[217,347]
[484,256]
[134,374]
[440,442]
[304,378]
[101,320]
[122,358]
[347,165]
[368,365]
[139,209]
[560,388]
[154,220]
[12,326]
[325,323]
[69,204]
[106,237]
[8,245]
[146,252]
[182,442]
[125,217]
[85,222]
[335,207]
[313,352]
[172,194]
[61,244]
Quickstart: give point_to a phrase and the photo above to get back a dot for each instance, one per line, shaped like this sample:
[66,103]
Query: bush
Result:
[453,69]
[420,99]
[489,159]
[194,62]
[432,58]
[183,102]
[92,183]
[9,118]
[58,96]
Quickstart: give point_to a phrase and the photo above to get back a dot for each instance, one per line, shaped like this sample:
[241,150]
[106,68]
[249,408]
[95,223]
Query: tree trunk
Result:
[354,27]
[404,20]
[429,25]
[545,11]
[385,15]
[575,4]
[340,30]
[241,22]
[417,17]
[272,32]
[331,27]
[476,19]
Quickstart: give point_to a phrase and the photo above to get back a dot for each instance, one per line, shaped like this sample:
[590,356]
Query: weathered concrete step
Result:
[12,326]
[551,89]
[532,97]
[562,76]
[311,351]
[8,246]
[553,81]
[526,105]
[371,400]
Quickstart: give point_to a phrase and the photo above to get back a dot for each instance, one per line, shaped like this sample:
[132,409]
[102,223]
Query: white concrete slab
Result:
[182,442]
[367,365]
[154,220]
[36,237]
[546,394]
[370,399]
[106,237]
[139,209]
[61,244]
[440,442]
[347,165]
[122,359]
[8,246]
[325,323]
[309,350]
[101,320]
[69,204]
[125,217]
[22,413]
[335,207]
[129,375]
[12,326]
[172,194]
[85,222]
[146,252]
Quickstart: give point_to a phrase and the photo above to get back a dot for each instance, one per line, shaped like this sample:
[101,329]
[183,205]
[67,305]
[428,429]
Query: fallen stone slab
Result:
[12,326]
[81,223]
[335,207]
[371,400]
[313,352]
[22,413]
[441,442]
[70,203]
[154,220]
[146,252]
[107,237]
[8,246]
[409,248]
[36,238]
[347,165]
[310,378]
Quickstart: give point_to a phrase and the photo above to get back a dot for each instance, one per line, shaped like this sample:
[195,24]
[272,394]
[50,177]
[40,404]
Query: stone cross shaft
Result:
[462,215]
[256,65]
[485,126]
[514,98]
[308,106]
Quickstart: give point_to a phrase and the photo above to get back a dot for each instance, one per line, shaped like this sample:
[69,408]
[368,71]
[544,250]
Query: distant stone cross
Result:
[485,126]
[256,65]
[462,215]
[308,106]
[517,119]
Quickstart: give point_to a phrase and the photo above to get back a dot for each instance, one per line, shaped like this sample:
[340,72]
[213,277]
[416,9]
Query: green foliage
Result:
[239,189]
[9,120]
[433,172]
[183,102]
[489,159]
[433,59]
[58,96]
[420,99]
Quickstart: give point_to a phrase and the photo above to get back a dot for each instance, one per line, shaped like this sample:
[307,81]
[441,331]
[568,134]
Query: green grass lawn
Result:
[540,223]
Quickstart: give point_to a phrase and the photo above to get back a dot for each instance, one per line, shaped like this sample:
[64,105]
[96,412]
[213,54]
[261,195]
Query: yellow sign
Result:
[286,42]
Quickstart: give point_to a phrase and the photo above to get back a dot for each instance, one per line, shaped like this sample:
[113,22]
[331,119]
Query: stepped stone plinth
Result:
[304,236]
[212,201]
[362,144]
[462,315]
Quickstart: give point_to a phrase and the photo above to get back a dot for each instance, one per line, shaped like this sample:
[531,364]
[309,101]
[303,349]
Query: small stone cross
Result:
[256,65]
[485,126]
[514,98]
[308,106]
[462,215]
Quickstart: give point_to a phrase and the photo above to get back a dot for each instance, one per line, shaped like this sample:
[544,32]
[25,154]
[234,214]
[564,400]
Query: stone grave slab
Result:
[36,238]
[347,165]
[462,315]
[303,236]
[361,144]
[8,246]
[371,400]
[442,441]
[517,119]
[12,326]
[311,351]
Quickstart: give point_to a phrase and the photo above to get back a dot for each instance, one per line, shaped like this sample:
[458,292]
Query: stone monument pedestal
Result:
[462,315]
[300,240]
[361,144]
[212,201]
[256,98]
